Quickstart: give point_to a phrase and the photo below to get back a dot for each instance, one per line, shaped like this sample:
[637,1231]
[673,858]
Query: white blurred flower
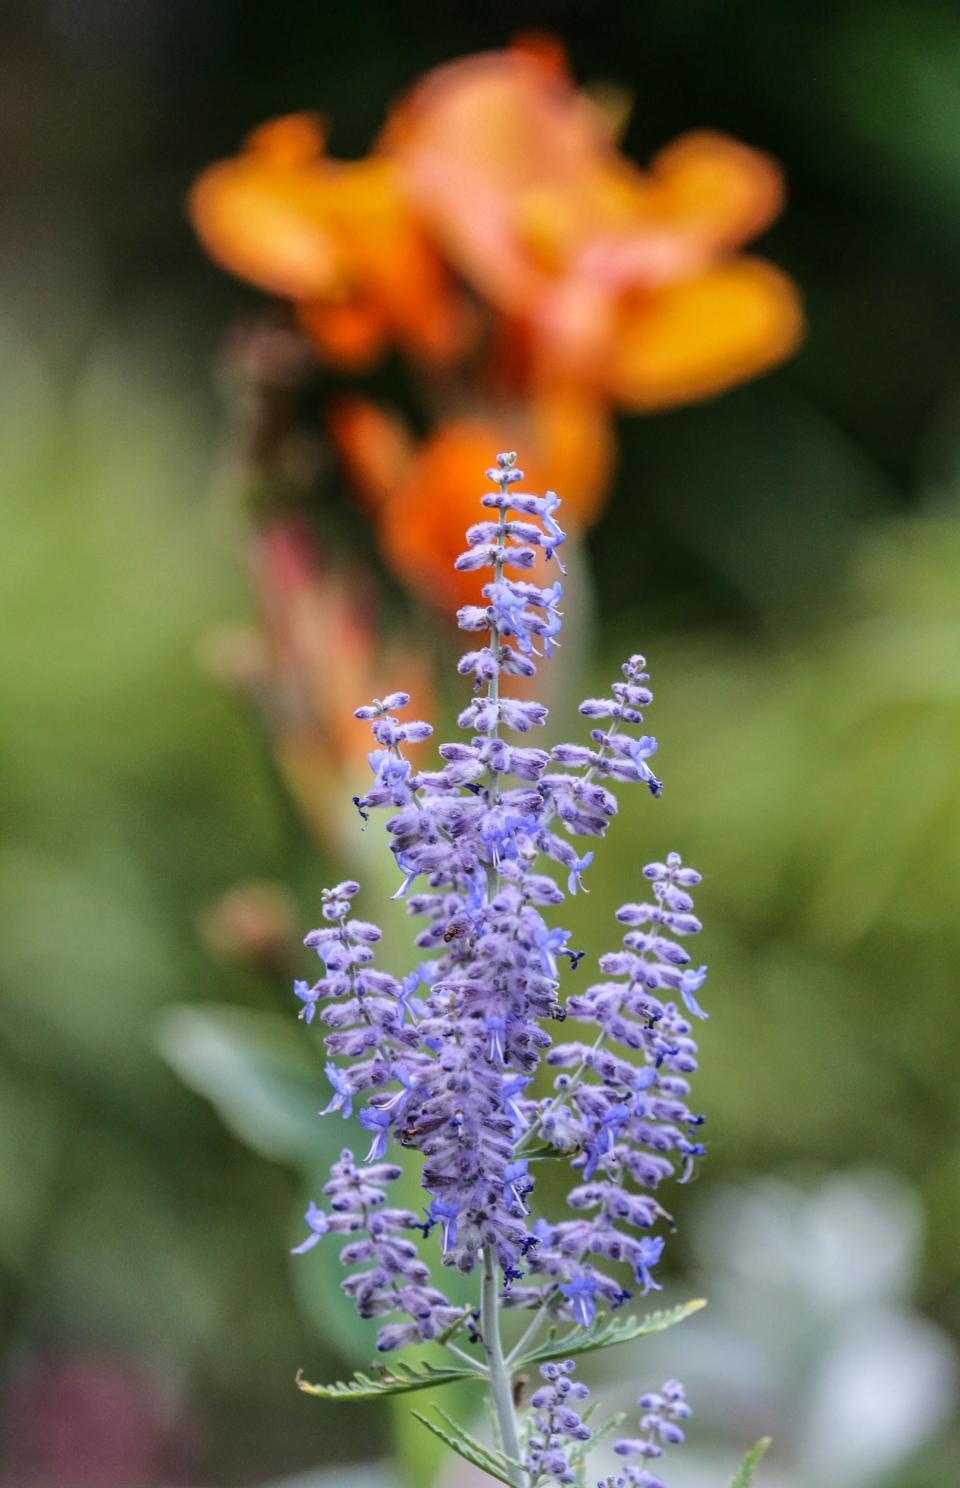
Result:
[809,1337]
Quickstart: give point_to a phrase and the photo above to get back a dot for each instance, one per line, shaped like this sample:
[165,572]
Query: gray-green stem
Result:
[501,1383]
[527,1337]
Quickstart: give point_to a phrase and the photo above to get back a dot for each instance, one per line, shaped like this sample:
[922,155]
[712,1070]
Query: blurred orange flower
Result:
[423,496]
[626,277]
[336,238]
[500,238]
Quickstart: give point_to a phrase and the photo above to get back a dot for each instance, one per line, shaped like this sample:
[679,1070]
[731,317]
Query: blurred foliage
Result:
[788,557]
[130,794]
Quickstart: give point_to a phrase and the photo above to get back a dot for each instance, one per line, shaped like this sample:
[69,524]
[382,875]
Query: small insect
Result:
[453,930]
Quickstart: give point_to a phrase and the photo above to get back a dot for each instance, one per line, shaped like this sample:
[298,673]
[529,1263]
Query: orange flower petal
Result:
[390,254]
[693,339]
[421,528]
[293,139]
[574,432]
[261,224]
[375,447]
[337,238]
[565,442]
[715,188]
[471,140]
[258,215]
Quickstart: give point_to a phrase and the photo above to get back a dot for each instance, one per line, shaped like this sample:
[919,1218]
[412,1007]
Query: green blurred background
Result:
[788,556]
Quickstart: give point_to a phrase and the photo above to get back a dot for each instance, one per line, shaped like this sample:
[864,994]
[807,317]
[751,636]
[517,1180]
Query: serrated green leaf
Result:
[396,1379]
[604,1334]
[466,1446]
[744,1477]
[495,1452]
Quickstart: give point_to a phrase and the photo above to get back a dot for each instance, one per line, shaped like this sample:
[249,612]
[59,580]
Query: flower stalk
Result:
[501,1381]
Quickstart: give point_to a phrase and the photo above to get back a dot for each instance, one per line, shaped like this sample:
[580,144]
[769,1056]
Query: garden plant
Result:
[444,1062]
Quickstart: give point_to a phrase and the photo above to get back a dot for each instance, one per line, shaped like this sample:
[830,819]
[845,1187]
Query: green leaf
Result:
[261,1072]
[604,1334]
[467,1446]
[744,1476]
[393,1379]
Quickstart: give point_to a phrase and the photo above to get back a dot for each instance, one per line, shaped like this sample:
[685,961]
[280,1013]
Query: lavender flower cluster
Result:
[444,1060]
[554,1424]
[659,1424]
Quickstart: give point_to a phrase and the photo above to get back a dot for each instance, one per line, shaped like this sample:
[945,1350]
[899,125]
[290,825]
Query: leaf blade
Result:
[604,1333]
[460,1441]
[258,1071]
[744,1475]
[399,1379]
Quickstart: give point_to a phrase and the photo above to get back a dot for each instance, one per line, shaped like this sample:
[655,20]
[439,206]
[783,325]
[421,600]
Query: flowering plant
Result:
[443,1061]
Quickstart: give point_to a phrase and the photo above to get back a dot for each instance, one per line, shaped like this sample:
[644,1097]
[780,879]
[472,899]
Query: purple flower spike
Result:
[487,842]
[557,1425]
[662,1411]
